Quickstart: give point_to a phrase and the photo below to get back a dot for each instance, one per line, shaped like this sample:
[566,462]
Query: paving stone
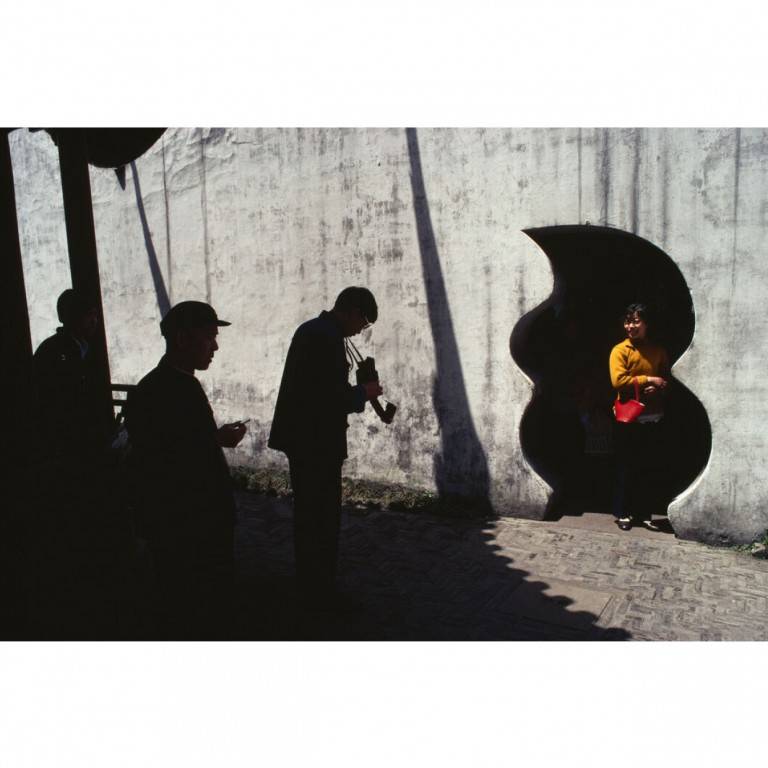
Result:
[558,601]
[423,577]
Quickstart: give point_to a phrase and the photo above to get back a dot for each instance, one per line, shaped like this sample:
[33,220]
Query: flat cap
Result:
[189,314]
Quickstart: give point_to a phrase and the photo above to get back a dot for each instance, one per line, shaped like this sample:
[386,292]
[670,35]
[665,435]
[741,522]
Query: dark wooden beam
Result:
[16,408]
[81,240]
[16,350]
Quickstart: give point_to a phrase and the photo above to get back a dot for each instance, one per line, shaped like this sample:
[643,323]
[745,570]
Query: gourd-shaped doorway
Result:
[563,345]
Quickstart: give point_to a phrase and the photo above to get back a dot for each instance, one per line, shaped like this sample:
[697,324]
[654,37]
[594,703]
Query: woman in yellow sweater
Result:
[638,445]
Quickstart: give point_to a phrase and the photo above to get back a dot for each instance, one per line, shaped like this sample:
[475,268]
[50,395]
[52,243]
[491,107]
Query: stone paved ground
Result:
[421,577]
[427,578]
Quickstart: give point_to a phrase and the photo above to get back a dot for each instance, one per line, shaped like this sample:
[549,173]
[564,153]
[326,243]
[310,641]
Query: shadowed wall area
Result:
[564,345]
[163,302]
[460,465]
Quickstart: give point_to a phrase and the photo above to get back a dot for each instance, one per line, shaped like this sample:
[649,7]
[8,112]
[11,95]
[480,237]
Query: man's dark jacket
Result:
[315,394]
[71,422]
[181,485]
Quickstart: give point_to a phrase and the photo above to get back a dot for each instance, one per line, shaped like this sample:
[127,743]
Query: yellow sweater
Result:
[629,360]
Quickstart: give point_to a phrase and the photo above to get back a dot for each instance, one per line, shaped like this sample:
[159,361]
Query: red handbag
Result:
[627,412]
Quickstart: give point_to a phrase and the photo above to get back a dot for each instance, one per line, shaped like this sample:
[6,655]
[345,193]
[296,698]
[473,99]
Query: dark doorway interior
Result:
[564,345]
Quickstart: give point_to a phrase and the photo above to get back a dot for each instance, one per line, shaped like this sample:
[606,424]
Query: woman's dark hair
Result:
[639,309]
[356,297]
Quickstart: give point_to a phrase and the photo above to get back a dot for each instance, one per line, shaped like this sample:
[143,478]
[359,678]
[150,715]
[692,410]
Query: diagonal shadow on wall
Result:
[461,467]
[163,302]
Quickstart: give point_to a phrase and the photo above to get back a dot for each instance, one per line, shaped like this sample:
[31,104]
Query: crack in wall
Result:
[636,183]
[168,262]
[204,207]
[736,178]
[665,192]
[579,151]
[605,176]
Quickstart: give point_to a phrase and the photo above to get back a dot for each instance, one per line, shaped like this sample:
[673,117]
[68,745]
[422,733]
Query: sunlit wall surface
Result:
[268,225]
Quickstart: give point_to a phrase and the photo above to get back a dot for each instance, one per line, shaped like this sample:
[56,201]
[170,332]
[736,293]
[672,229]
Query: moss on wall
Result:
[366,494]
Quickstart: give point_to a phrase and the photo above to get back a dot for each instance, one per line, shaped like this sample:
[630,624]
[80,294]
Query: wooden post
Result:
[16,404]
[81,240]
[16,350]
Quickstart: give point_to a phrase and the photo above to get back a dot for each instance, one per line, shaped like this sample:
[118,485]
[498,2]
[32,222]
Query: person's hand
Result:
[372,390]
[229,435]
[657,381]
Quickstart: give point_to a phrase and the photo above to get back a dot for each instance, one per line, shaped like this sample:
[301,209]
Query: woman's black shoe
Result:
[625,523]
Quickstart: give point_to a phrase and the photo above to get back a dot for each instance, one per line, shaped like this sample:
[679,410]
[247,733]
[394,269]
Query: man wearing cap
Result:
[310,425]
[181,485]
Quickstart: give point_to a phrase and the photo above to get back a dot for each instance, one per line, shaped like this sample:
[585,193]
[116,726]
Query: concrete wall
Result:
[268,225]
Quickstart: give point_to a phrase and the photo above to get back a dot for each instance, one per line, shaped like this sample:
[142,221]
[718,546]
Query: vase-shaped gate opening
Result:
[564,345]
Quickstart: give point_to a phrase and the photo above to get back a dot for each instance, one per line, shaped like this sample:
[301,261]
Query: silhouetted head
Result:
[637,321]
[190,329]
[78,313]
[355,309]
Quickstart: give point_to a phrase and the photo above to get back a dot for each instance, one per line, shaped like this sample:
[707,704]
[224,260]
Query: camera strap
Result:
[353,354]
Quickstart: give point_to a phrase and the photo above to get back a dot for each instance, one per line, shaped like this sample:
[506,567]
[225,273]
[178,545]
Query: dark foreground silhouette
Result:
[416,577]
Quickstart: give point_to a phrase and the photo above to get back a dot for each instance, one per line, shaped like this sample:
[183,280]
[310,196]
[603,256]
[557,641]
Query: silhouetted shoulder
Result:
[314,327]
[166,378]
[168,394]
[56,348]
[321,327]
[49,346]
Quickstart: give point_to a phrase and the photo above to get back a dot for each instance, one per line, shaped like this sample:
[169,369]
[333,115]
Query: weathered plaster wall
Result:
[268,225]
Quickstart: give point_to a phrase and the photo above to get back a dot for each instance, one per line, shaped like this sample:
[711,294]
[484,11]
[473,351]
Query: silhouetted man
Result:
[182,489]
[310,425]
[72,426]
[72,507]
